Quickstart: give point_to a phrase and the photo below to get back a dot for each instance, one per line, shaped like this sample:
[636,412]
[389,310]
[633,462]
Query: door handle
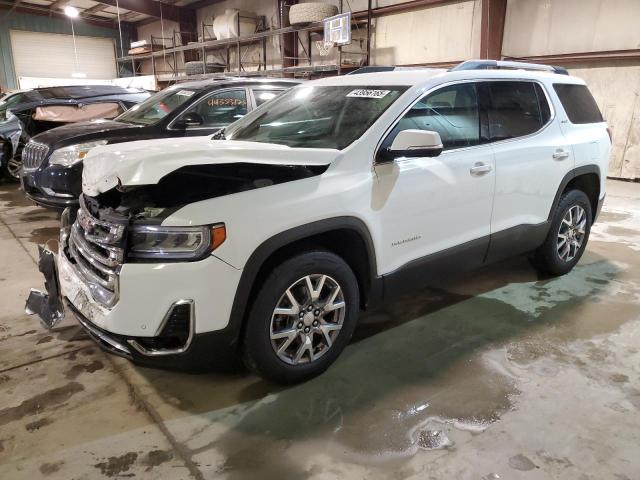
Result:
[560,154]
[480,169]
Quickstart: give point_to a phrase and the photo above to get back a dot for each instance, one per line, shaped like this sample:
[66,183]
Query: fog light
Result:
[174,334]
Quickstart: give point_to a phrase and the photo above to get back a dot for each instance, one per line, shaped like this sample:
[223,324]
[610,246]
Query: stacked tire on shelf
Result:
[198,68]
[312,12]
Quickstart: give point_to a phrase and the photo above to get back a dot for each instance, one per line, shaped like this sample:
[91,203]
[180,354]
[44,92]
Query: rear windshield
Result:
[578,103]
[316,117]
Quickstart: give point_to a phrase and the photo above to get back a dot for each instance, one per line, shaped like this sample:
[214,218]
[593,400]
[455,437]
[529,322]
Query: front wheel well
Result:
[344,242]
[589,183]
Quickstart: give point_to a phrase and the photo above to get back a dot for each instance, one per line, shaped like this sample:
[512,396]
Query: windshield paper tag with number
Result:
[362,93]
[185,93]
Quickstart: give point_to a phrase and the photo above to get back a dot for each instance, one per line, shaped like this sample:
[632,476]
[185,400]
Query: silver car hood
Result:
[145,162]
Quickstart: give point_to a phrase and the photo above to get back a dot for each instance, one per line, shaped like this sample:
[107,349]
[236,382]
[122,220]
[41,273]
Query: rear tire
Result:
[296,326]
[568,235]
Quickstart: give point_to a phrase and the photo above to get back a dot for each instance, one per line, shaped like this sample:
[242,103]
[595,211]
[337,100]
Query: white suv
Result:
[269,238]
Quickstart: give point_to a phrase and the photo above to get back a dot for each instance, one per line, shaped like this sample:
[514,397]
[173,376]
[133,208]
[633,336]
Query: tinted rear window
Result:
[578,103]
[515,109]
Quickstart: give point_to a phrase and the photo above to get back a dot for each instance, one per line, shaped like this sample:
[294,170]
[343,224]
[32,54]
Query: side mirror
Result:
[189,120]
[413,143]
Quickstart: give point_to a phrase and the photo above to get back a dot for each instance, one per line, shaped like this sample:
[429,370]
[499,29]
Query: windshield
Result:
[9,102]
[158,106]
[316,117]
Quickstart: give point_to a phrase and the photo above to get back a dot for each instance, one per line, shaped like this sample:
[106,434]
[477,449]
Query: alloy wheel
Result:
[571,233]
[13,167]
[307,319]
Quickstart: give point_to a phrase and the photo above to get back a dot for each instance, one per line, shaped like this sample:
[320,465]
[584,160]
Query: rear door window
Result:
[515,109]
[262,96]
[578,103]
[221,109]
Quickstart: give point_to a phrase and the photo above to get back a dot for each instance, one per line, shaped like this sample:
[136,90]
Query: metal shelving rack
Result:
[206,46]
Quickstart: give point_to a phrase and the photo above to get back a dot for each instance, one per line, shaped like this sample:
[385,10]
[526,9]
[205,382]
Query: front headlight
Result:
[68,156]
[175,243]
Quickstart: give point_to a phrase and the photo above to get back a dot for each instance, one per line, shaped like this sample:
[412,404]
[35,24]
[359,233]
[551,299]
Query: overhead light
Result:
[71,12]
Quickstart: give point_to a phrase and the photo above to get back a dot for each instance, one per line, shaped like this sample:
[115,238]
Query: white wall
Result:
[163,64]
[616,87]
[435,34]
[552,27]
[546,27]
[37,54]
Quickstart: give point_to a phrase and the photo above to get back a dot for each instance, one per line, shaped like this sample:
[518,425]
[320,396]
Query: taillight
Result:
[610,132]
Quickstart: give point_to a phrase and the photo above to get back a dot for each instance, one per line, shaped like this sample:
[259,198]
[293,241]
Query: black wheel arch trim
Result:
[576,172]
[267,248]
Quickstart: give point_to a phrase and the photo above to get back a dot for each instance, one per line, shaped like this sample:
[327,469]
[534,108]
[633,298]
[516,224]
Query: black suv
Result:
[25,114]
[52,170]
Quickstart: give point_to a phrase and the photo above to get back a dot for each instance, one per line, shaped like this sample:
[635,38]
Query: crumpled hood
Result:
[145,162]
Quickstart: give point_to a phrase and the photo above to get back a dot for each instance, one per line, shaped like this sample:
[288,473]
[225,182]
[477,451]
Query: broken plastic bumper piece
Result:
[48,306]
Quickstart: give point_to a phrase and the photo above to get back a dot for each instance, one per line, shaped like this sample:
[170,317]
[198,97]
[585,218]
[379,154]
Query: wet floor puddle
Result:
[423,384]
[423,374]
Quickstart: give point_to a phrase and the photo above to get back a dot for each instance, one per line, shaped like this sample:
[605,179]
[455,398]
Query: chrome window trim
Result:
[552,116]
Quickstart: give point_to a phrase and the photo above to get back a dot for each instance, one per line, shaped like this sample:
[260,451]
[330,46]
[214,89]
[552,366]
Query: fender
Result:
[576,172]
[271,245]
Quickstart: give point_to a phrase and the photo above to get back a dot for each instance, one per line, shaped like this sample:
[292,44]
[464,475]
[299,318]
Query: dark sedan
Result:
[52,172]
[25,114]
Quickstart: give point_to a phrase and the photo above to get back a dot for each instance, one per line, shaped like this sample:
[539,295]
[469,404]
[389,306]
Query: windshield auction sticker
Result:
[185,93]
[363,93]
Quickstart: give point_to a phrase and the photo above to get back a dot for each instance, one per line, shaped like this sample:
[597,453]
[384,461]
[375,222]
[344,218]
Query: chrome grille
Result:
[33,154]
[97,249]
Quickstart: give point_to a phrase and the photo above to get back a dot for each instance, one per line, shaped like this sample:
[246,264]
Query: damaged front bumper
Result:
[142,325]
[48,306]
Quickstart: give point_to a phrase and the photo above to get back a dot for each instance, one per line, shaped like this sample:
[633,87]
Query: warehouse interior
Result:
[501,372]
[599,45]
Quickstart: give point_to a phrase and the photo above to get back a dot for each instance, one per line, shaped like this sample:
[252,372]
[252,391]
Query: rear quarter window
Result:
[578,103]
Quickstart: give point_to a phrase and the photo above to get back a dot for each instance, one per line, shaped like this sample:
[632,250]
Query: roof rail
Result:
[505,64]
[372,69]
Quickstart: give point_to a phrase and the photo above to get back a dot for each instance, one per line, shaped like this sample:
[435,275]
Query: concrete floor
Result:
[498,375]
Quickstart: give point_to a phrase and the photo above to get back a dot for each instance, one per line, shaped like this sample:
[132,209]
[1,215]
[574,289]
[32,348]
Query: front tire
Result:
[302,318]
[568,235]
[13,165]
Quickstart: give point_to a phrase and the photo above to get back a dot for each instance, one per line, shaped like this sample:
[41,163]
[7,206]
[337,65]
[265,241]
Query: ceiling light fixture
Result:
[71,12]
